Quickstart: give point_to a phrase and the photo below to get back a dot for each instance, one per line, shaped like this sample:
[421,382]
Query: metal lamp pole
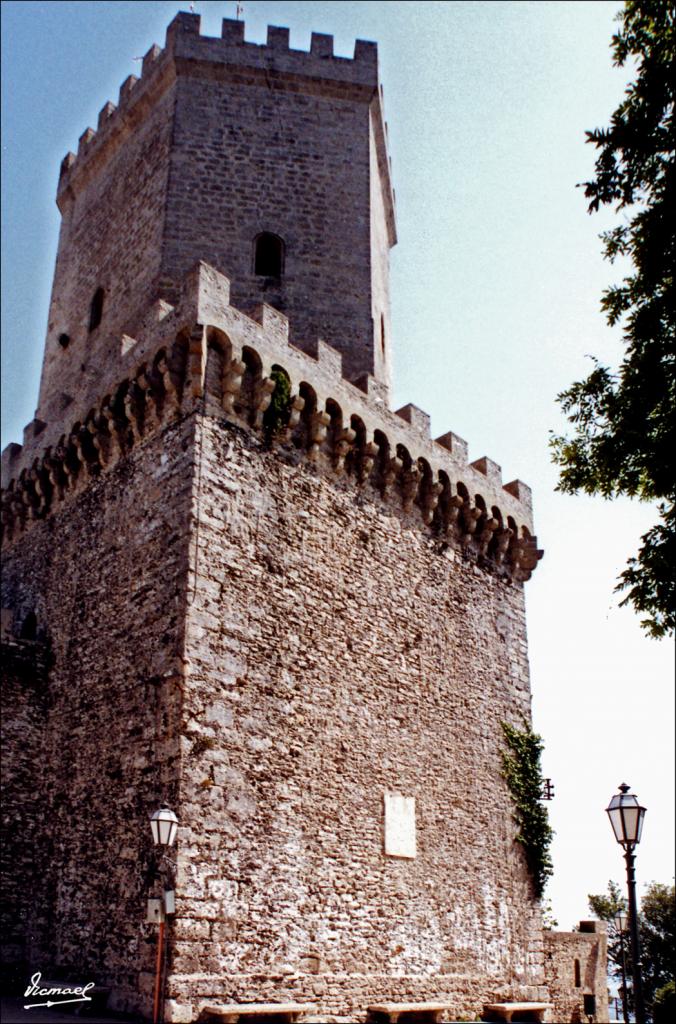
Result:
[626,817]
[621,925]
[164,826]
[639,1005]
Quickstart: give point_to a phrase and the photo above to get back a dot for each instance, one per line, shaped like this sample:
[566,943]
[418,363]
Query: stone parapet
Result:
[206,356]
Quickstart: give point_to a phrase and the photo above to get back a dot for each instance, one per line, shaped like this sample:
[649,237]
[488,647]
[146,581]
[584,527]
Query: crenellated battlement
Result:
[114,122]
[205,356]
[274,63]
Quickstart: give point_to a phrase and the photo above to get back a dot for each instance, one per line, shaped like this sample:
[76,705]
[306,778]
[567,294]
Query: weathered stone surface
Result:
[353,684]
[25,700]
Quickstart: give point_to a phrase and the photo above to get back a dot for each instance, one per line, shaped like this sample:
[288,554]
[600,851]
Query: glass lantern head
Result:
[164,826]
[626,816]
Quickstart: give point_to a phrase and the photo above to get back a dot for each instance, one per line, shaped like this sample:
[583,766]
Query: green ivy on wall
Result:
[523,774]
[277,414]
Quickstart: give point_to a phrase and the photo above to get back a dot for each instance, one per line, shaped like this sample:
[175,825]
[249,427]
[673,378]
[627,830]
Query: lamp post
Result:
[164,826]
[620,920]
[626,817]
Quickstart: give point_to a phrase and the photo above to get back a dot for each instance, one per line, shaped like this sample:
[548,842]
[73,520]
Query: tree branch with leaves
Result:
[657,928]
[624,439]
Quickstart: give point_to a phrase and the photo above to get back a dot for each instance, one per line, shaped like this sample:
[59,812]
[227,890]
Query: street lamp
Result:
[164,826]
[626,817]
[620,920]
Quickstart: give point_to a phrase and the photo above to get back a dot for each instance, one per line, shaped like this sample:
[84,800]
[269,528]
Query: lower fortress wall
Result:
[332,655]
[306,647]
[336,655]
[104,576]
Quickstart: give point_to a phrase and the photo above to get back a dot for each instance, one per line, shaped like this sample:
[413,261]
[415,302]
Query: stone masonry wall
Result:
[333,656]
[575,965]
[106,574]
[25,707]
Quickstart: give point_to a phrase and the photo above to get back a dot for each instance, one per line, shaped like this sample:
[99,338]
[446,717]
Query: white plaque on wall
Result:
[399,825]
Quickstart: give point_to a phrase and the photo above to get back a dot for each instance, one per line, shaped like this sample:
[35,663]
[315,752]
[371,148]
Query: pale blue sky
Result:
[495,293]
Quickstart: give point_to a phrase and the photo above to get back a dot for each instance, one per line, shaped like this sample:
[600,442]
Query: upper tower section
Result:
[268,163]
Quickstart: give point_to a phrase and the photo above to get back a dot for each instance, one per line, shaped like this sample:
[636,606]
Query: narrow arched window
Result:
[268,255]
[578,978]
[96,309]
[29,627]
[64,340]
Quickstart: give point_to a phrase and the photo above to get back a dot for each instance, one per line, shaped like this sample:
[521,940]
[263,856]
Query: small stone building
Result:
[576,972]
[236,583]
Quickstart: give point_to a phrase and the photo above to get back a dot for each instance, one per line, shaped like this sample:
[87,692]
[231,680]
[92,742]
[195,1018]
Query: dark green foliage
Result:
[657,930]
[664,1004]
[625,425]
[606,905]
[522,772]
[549,922]
[277,414]
[658,938]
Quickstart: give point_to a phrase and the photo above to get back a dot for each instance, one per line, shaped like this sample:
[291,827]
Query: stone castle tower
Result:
[237,583]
